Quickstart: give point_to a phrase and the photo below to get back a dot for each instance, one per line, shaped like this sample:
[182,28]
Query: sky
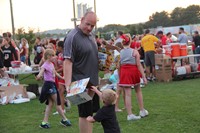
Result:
[53,14]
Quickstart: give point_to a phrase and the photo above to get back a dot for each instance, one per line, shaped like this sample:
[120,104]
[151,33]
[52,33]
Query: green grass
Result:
[173,107]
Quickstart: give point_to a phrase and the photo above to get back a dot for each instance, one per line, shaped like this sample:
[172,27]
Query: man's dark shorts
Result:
[150,58]
[90,107]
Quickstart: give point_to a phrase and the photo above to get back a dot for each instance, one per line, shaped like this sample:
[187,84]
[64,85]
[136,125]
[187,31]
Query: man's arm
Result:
[67,69]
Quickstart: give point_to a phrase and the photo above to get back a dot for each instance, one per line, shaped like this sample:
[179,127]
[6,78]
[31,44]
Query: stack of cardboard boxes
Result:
[163,68]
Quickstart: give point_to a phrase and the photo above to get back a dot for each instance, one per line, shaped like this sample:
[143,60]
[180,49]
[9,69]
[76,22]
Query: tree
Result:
[158,19]
[177,16]
[113,28]
[185,16]
[20,33]
[132,29]
[140,28]
[191,15]
[30,36]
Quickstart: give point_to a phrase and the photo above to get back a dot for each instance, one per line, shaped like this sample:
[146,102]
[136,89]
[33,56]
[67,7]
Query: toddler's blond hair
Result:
[109,96]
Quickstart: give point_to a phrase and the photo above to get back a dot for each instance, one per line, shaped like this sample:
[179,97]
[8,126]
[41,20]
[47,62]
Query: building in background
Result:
[82,9]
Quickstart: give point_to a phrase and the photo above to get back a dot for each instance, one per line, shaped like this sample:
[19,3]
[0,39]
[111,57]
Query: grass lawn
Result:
[173,107]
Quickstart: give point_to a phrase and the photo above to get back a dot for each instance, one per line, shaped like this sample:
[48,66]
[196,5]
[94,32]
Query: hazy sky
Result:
[51,14]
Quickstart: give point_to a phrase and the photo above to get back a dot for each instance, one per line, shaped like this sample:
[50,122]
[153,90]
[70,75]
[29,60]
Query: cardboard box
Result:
[163,56]
[13,91]
[161,59]
[163,68]
[78,94]
[165,76]
[9,93]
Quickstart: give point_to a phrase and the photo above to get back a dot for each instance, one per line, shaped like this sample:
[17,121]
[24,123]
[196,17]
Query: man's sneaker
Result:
[65,123]
[133,117]
[144,113]
[44,125]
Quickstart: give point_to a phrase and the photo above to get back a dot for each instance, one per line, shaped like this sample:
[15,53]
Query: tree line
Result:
[179,16]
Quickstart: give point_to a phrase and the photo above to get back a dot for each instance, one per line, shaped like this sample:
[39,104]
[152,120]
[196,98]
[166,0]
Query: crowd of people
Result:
[76,58]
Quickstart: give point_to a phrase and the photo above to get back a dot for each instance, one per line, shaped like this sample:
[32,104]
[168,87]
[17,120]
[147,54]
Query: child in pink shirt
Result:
[49,93]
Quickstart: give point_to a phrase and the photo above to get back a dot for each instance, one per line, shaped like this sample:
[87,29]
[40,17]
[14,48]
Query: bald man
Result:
[81,61]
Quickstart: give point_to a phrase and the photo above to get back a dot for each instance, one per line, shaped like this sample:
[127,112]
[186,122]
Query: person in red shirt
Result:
[135,44]
[162,37]
[124,38]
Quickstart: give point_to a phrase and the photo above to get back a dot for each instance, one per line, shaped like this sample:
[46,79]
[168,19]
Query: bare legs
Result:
[84,125]
[128,100]
[61,93]
[119,91]
[139,96]
[53,99]
[148,71]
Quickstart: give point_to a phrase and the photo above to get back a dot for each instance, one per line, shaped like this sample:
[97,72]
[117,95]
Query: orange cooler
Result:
[183,49]
[175,49]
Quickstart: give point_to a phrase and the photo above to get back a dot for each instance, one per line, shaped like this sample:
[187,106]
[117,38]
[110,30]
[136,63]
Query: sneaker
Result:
[118,110]
[65,123]
[56,113]
[142,85]
[133,117]
[148,78]
[153,78]
[45,125]
[144,113]
[123,108]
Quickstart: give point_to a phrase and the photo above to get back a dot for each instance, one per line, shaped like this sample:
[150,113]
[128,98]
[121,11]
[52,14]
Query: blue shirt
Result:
[182,38]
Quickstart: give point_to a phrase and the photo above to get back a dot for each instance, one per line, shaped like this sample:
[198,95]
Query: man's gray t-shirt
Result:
[82,50]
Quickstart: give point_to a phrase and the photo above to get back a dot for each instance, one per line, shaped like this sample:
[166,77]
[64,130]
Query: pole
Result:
[74,13]
[12,19]
[95,13]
